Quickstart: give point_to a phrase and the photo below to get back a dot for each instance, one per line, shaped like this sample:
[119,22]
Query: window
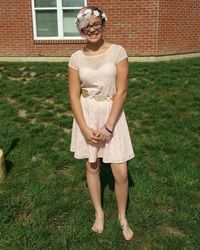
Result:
[55,19]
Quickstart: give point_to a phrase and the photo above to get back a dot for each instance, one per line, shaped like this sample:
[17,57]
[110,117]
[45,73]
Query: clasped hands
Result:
[93,137]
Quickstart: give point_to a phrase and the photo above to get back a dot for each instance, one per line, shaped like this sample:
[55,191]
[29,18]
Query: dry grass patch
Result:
[49,101]
[57,221]
[22,215]
[172,231]
[67,130]
[145,114]
[63,169]
[32,121]
[137,123]
[60,76]
[165,208]
[22,113]
[11,101]
[155,176]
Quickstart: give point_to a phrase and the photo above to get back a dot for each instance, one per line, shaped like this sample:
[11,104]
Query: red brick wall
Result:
[179,27]
[133,24]
[143,27]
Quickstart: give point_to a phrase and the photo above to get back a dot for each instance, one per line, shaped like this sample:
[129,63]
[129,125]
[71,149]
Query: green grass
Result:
[44,201]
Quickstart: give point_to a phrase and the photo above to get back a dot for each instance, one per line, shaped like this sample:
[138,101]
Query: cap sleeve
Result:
[121,54]
[73,62]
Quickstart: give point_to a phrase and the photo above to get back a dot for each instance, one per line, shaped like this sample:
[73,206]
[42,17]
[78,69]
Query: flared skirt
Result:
[117,150]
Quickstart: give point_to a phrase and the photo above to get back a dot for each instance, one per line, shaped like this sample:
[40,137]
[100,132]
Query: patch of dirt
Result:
[170,230]
[157,177]
[22,68]
[52,102]
[145,114]
[134,79]
[154,176]
[63,169]
[32,73]
[46,177]
[60,75]
[66,130]
[11,101]
[30,78]
[22,215]
[65,190]
[24,80]
[26,76]
[136,123]
[165,208]
[49,101]
[37,99]
[44,123]
[27,79]
[171,199]
[22,113]
[188,114]
[60,106]
[57,114]
[32,121]
[57,221]
[19,125]
[145,246]
[15,78]
[69,113]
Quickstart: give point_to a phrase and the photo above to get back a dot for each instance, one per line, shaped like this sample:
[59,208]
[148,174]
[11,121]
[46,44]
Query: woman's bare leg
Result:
[120,174]
[94,186]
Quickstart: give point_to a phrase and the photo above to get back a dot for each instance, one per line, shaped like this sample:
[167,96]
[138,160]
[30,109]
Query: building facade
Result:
[45,28]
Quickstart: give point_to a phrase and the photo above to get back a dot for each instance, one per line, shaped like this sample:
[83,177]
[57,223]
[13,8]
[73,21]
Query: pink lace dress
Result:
[97,75]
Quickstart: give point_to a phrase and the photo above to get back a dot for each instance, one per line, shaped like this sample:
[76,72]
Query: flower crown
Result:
[88,12]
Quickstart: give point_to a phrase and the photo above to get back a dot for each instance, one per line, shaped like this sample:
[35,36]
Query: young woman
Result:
[98,76]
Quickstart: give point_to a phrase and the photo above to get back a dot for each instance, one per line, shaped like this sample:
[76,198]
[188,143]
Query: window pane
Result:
[73,3]
[45,3]
[69,17]
[46,22]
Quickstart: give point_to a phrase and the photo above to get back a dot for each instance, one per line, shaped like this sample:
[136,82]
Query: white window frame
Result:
[59,9]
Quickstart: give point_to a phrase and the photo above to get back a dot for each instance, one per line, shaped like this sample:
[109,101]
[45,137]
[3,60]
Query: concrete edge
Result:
[131,59]
[163,58]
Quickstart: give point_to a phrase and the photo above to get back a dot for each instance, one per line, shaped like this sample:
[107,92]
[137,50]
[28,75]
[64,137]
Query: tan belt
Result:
[99,98]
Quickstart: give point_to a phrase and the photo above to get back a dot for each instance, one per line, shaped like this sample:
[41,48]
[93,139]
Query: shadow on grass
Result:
[9,164]
[107,179]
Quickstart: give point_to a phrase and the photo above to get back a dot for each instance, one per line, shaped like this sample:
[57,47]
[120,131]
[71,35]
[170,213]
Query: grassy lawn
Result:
[44,202]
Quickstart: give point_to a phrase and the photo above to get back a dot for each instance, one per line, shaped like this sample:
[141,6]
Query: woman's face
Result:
[94,31]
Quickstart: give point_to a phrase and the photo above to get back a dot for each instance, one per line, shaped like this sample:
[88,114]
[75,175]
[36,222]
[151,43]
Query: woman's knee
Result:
[122,178]
[120,173]
[93,167]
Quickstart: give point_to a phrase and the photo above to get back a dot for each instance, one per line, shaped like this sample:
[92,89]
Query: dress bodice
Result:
[98,73]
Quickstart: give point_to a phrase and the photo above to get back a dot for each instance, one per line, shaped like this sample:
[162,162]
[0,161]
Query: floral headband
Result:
[88,12]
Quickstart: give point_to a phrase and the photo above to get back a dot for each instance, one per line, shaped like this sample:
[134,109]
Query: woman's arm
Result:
[118,99]
[121,90]
[74,94]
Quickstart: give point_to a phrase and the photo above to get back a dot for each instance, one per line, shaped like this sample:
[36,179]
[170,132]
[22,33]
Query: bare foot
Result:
[98,225]
[126,230]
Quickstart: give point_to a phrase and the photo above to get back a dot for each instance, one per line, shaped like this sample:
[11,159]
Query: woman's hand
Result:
[103,134]
[90,135]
